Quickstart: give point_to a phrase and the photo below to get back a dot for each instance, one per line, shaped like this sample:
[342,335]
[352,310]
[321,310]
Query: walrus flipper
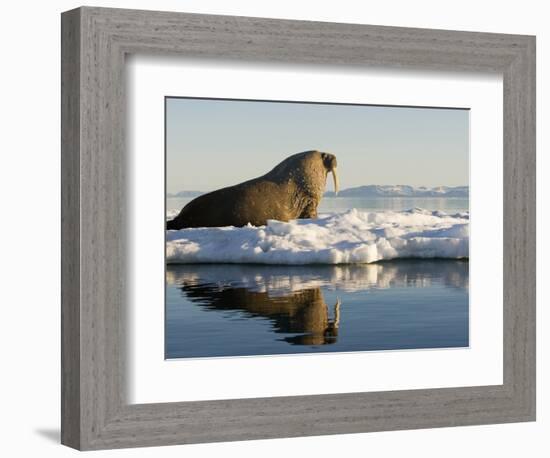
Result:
[310,211]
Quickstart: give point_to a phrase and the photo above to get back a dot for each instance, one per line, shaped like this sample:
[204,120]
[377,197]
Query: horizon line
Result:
[352,187]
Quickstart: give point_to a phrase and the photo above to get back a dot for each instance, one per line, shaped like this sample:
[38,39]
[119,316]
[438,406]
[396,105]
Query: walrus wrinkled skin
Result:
[293,189]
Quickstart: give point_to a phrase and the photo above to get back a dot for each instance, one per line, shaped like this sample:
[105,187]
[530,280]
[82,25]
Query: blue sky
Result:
[216,143]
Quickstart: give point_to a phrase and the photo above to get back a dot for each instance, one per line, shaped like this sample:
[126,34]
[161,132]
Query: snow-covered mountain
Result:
[375,190]
[402,191]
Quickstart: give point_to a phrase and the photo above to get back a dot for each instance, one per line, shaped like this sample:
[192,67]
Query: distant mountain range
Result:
[375,190]
[402,191]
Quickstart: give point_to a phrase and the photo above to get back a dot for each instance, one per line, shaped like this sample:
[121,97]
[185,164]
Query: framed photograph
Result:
[276,228]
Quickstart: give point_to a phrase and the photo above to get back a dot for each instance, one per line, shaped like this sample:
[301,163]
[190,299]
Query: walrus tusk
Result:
[335,179]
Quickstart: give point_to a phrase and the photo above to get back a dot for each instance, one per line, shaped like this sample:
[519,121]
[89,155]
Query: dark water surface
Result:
[237,310]
[342,204]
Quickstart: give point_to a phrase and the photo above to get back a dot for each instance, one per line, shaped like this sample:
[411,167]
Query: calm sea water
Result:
[236,310]
[341,204]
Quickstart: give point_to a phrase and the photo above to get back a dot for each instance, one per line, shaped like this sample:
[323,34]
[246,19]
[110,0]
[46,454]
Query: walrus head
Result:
[309,170]
[330,163]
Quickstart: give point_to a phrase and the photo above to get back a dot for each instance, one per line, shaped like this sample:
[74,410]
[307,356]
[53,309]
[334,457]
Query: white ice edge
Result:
[353,237]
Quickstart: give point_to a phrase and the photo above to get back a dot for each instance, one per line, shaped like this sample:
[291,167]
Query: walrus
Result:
[293,189]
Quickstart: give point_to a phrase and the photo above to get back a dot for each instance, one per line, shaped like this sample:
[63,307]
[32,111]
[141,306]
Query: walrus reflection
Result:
[303,312]
[326,331]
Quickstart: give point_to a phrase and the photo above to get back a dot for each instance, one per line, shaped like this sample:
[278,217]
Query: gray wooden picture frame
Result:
[95,41]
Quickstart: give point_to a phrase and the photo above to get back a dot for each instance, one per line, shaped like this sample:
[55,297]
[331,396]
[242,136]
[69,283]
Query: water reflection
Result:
[292,298]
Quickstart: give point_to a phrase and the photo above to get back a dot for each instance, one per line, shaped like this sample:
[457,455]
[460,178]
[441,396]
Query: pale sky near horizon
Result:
[215,143]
